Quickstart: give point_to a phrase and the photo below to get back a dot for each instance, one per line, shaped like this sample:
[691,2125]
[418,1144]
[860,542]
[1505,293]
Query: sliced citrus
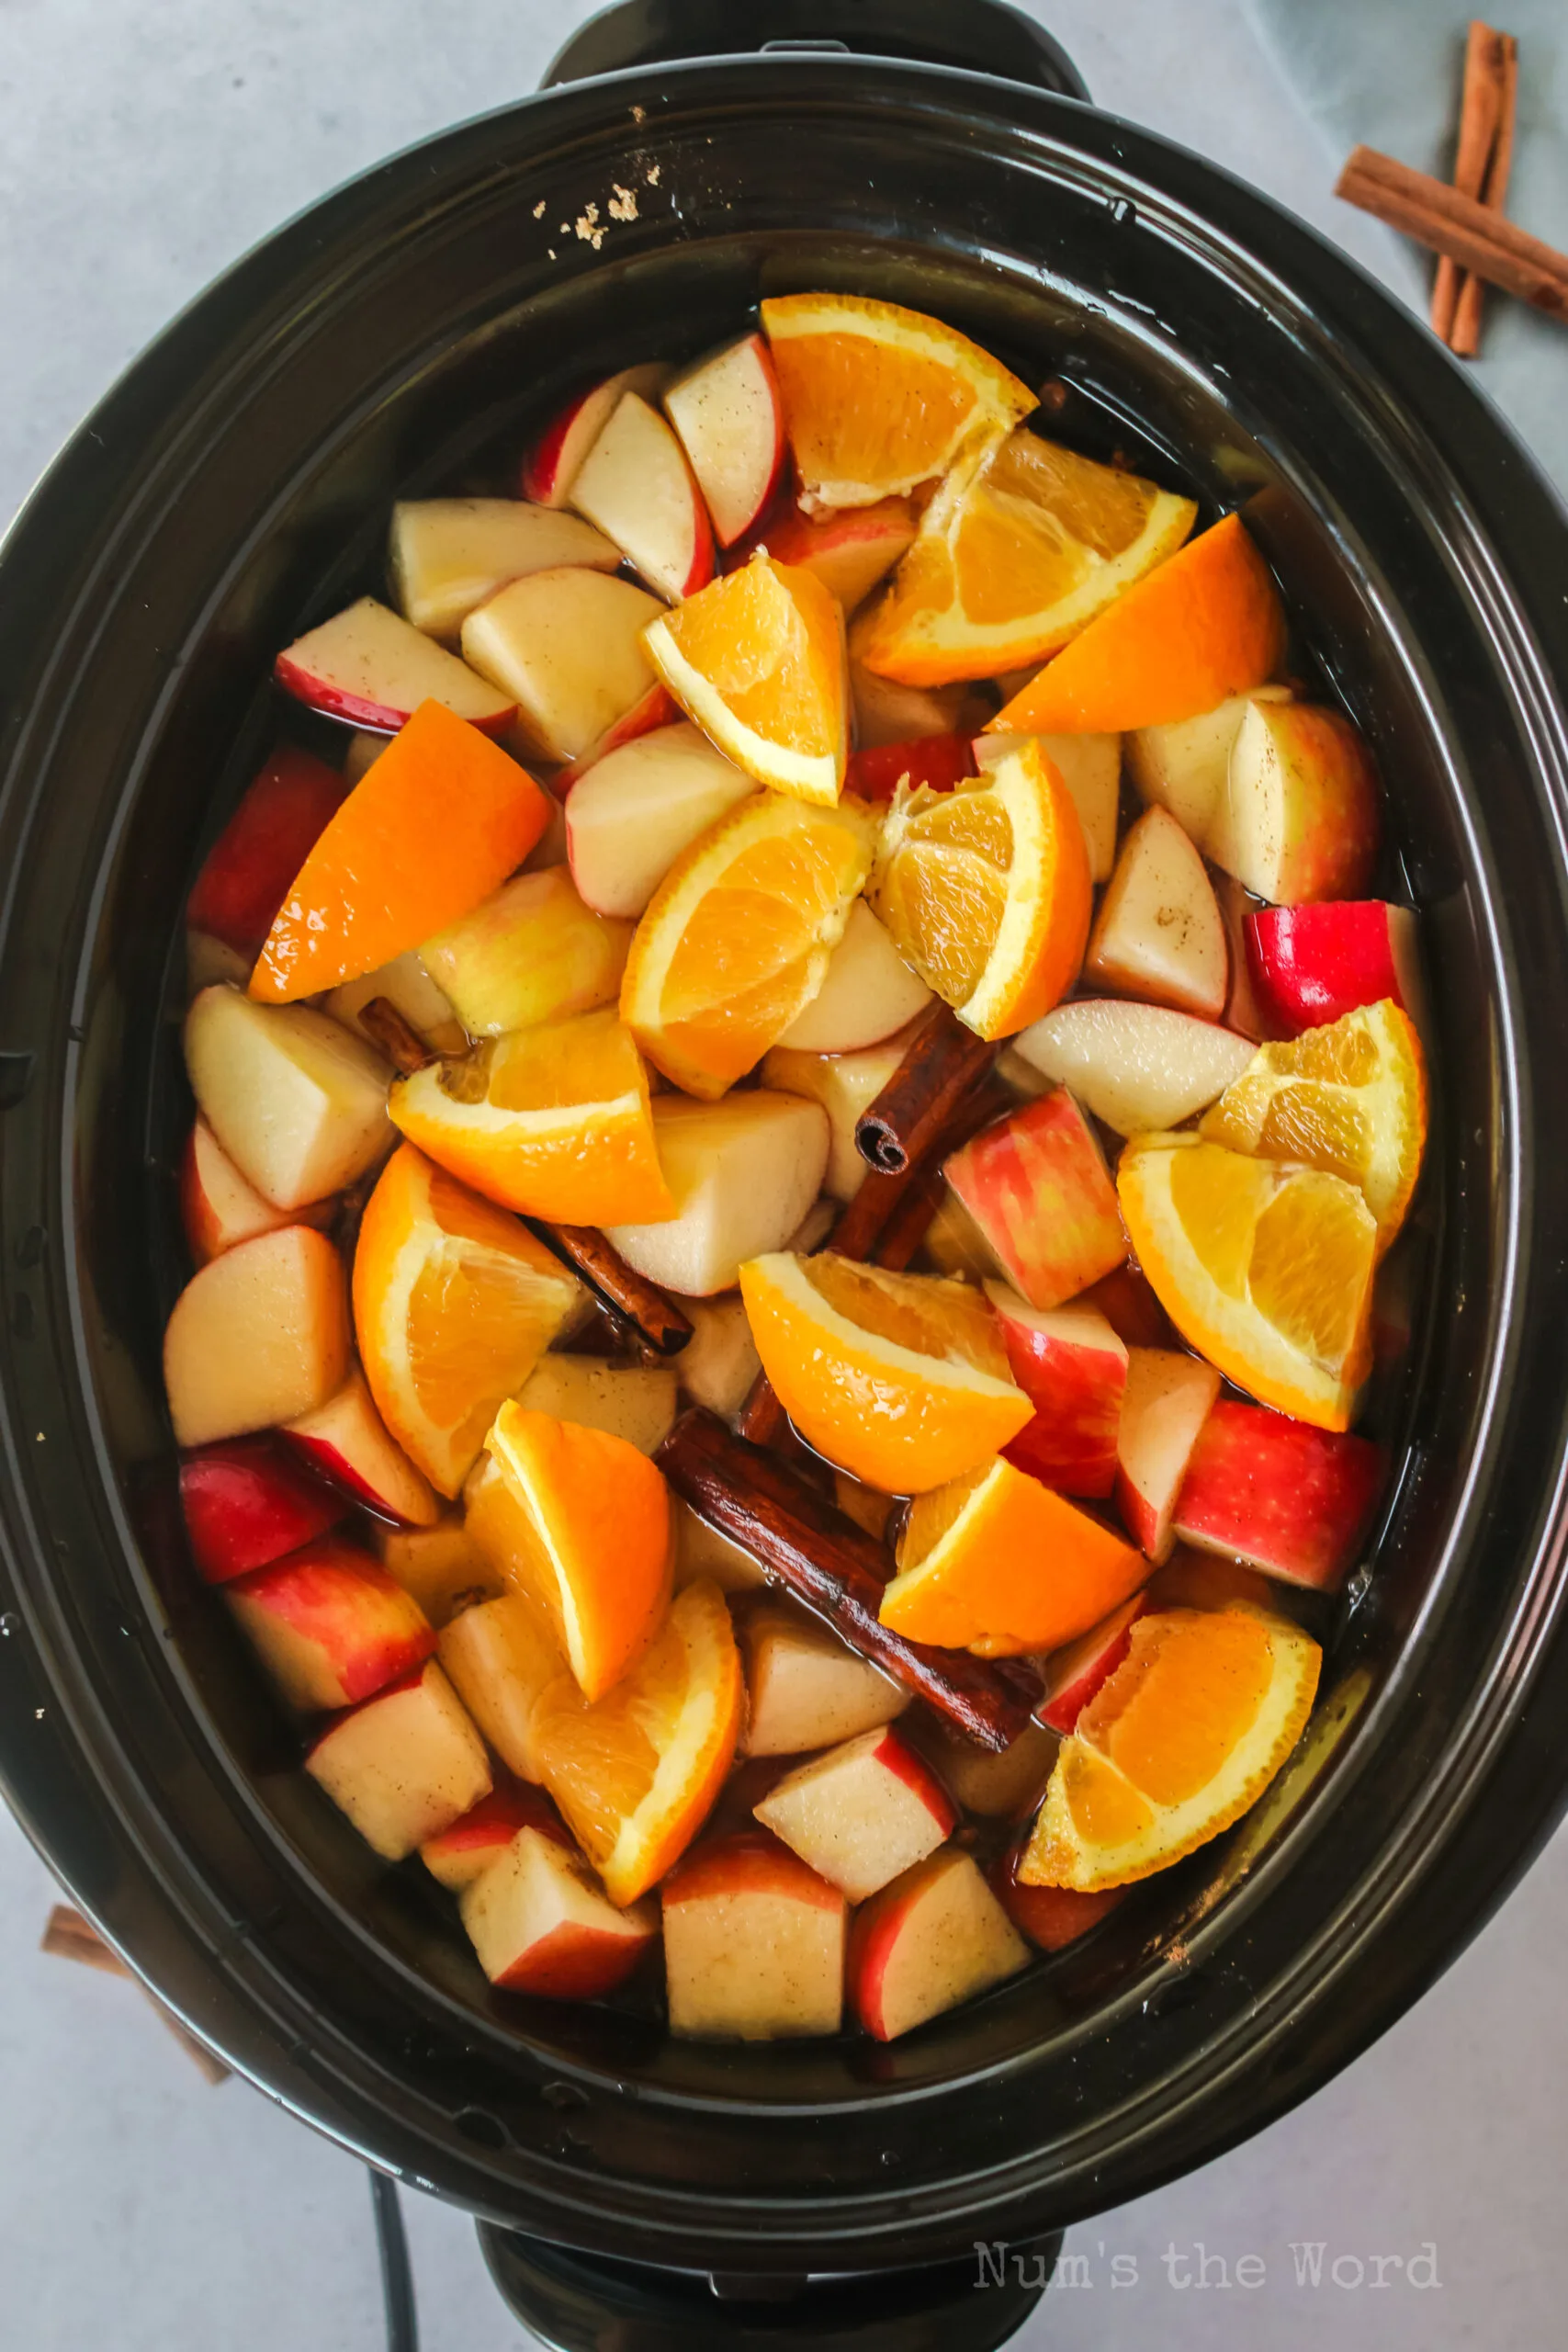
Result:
[878,400]
[1266,1270]
[1014,559]
[1186,1733]
[454,1304]
[999,1563]
[636,1771]
[1350,1097]
[985,890]
[757,660]
[736,938]
[899,1379]
[554,1121]
[1206,624]
[589,1540]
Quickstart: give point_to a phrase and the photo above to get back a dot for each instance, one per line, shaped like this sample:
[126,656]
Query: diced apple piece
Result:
[998,1788]
[567,646]
[1247,1013]
[937,1936]
[1183,766]
[1051,1917]
[940,760]
[328,1624]
[408,988]
[1300,820]
[1128,1303]
[862,1813]
[1312,965]
[867,1505]
[539,1923]
[726,411]
[551,849]
[446,555]
[742,1171]
[655,709]
[754,1943]
[551,465]
[346,1442]
[210,963]
[720,1362]
[1036,1185]
[249,868]
[813,1229]
[630,817]
[1159,935]
[439,1566]
[502,1657]
[954,1244]
[1138,1066]
[260,1335]
[1288,1499]
[702,1551]
[886,712]
[371,667]
[868,993]
[247,1503]
[806,1687]
[532,953]
[849,550]
[1091,767]
[298,1103]
[218,1207]
[637,485]
[845,1085]
[636,1402]
[403,1764]
[1192,1579]
[1072,1369]
[464,1849]
[1169,1397]
[1075,1672]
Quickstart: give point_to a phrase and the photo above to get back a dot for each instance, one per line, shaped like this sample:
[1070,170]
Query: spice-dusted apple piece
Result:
[936,1937]
[408,988]
[637,484]
[1073,1368]
[346,1440]
[1183,766]
[1036,1186]
[757,659]
[464,1849]
[1300,819]
[540,1924]
[1091,767]
[1314,964]
[720,1363]
[846,1085]
[1158,936]
[404,1764]
[741,1173]
[1075,1672]
[727,410]
[849,550]
[1292,1500]
[258,1336]
[806,1687]
[503,1655]
[330,1625]
[754,1943]
[373,668]
[533,951]
[446,555]
[245,876]
[1138,1068]
[218,1207]
[247,1503]
[633,1402]
[862,1813]
[440,1564]
[1168,1397]
[295,1101]
[868,993]
[641,808]
[567,646]
[998,1788]
[1051,1917]
[551,465]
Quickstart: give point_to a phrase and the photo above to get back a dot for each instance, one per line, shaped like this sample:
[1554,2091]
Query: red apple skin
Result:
[898,1757]
[879,1926]
[1036,1186]
[750,1861]
[550,467]
[1075,1387]
[219,1209]
[939,760]
[347,1444]
[850,551]
[481,1835]
[1051,1917]
[1126,1299]
[308,687]
[246,1504]
[1073,1675]
[768,483]
[575,1964]
[339,1602]
[1313,964]
[1288,1499]
[657,708]
[250,866]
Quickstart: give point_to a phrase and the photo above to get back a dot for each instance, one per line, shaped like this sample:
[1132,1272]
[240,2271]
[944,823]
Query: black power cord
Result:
[397,2275]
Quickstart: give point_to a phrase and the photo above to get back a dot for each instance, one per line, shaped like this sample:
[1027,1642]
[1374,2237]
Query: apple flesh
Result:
[754,1943]
[346,1442]
[1091,767]
[210,962]
[862,1813]
[1051,1917]
[551,465]
[218,1207]
[886,712]
[868,993]
[446,555]
[257,1336]
[1169,1397]
[1184,766]
[1128,1303]
[372,668]
[845,1085]
[999,1788]
[726,411]
[503,1655]
[1139,1068]
[1300,820]
[937,1936]
[1036,1186]
[532,953]
[637,486]
[655,709]
[701,1551]
[408,988]
[247,872]
[439,1565]
[633,1402]
[330,1625]
[567,647]
[1159,935]
[850,550]
[1312,965]
[633,812]
[464,1849]
[1290,1499]
[297,1101]
[720,1362]
[1072,1369]
[1191,1579]
[245,1503]
[742,1173]
[953,1243]
[540,1924]
[1075,1672]
[403,1764]
[806,1687]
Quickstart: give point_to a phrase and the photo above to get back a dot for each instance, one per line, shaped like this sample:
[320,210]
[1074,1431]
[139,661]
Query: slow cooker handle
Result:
[974,36]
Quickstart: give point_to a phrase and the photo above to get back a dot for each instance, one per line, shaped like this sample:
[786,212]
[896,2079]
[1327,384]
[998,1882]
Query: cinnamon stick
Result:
[943,1061]
[1465,336]
[401,1043]
[1437,215]
[905,1229]
[839,1572]
[1481,109]
[657,1317]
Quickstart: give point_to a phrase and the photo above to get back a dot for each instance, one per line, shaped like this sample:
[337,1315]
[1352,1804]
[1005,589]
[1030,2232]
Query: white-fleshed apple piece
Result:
[998,1788]
[551,465]
[954,1244]
[936,1937]
[1184,766]
[635,1402]
[502,1657]
[1312,965]
[850,550]
[403,1764]
[439,1565]
[464,1849]
[1158,936]
[408,988]
[658,707]
[754,1943]
[813,1229]
[369,666]
[807,1687]
[261,1334]
[346,1440]
[726,411]
[845,1085]
[1036,1186]
[868,1506]
[1169,1397]
[217,1206]
[742,1173]
[1073,1368]
[540,1923]
[886,712]
[720,1362]
[637,485]
[247,1503]
[1283,1497]
[1300,819]
[862,1813]
[703,1551]
[551,849]
[212,963]
[868,993]
[1091,767]
[1139,1068]
[630,818]
[531,952]
[567,647]
[1075,1672]
[297,1101]
[446,555]
[330,1625]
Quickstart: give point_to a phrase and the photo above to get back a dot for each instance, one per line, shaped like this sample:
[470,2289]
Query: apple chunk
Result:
[330,1624]
[701,1551]
[257,1336]
[862,1813]
[567,647]
[637,485]
[998,1787]
[1072,1369]
[1312,965]
[446,555]
[439,1565]
[1051,1917]
[635,1402]
[630,818]
[849,550]
[1075,1672]
[1183,766]
[248,870]
[1288,1499]
[1159,935]
[539,1923]
[217,1206]
[806,1687]
[1091,767]
[247,1503]
[502,1657]
[754,1943]
[550,468]
[402,1765]
[408,988]
[1036,1186]
[720,1362]
[371,667]
[727,410]
[937,1936]
[1169,1397]
[868,993]
[1300,820]
[464,1849]
[346,1442]
[742,1173]
[298,1103]
[531,954]
[845,1085]
[886,712]
[1136,1067]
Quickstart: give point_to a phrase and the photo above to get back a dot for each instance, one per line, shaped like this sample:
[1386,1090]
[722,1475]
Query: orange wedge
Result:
[985,890]
[1014,559]
[737,937]
[554,1122]
[454,1304]
[899,1379]
[590,1539]
[437,821]
[878,400]
[635,1772]
[1266,1270]
[757,660]
[999,1563]
[1206,625]
[1188,1732]
[1350,1097]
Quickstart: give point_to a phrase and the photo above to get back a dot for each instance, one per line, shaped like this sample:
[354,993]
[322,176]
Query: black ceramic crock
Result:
[234,489]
